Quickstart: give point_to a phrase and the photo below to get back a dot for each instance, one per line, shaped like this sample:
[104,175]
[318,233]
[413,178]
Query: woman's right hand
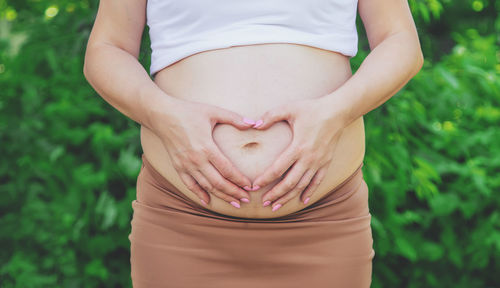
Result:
[186,132]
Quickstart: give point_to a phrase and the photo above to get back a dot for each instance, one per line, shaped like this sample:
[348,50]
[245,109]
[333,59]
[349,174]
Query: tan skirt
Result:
[176,242]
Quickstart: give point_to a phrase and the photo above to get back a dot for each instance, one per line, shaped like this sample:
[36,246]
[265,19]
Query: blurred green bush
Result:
[70,161]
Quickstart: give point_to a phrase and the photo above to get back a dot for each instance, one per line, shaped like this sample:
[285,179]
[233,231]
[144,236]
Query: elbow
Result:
[89,59]
[87,75]
[419,62]
[85,70]
[419,58]
[86,63]
[85,66]
[416,53]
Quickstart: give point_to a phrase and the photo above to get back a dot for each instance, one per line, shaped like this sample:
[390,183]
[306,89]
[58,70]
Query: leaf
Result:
[444,204]
[406,248]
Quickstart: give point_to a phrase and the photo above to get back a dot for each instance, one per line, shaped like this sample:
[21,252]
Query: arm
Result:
[185,128]
[394,59]
[111,65]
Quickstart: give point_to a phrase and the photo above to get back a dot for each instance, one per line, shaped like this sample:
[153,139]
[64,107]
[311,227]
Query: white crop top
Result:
[180,28]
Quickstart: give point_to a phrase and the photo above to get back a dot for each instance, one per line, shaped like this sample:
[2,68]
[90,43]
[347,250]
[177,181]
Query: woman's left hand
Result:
[316,130]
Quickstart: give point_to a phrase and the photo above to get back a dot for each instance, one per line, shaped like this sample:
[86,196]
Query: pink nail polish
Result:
[258,123]
[248,188]
[245,200]
[249,121]
[256,187]
[266,203]
[276,207]
[203,202]
[307,200]
[235,204]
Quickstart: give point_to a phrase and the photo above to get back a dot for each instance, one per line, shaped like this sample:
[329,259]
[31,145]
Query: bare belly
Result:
[250,80]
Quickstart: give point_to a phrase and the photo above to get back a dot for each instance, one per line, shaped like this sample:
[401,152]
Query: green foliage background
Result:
[69,161]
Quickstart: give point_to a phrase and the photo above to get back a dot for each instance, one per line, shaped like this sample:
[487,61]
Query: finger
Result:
[313,185]
[205,184]
[221,184]
[272,116]
[225,116]
[192,185]
[226,168]
[286,185]
[285,160]
[297,190]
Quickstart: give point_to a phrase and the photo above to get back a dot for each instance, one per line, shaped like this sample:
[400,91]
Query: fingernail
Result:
[248,121]
[256,187]
[258,123]
[276,207]
[203,201]
[235,204]
[307,200]
[248,188]
[245,200]
[266,203]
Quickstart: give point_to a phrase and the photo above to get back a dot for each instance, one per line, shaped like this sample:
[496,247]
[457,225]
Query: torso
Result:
[250,80]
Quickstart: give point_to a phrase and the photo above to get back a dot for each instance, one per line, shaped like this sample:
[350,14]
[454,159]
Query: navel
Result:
[250,145]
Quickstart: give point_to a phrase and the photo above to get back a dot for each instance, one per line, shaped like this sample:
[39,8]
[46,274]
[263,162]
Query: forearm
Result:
[121,80]
[388,67]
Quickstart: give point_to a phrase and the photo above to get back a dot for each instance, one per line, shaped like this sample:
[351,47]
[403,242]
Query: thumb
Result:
[272,116]
[225,116]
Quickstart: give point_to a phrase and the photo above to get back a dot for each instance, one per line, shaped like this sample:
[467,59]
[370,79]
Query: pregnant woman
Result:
[252,132]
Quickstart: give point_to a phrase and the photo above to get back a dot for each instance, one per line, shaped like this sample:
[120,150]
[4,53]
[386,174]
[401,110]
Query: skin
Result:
[111,57]
[394,46]
[250,80]
[111,67]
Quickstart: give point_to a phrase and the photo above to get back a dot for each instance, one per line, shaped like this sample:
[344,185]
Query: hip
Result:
[174,240]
